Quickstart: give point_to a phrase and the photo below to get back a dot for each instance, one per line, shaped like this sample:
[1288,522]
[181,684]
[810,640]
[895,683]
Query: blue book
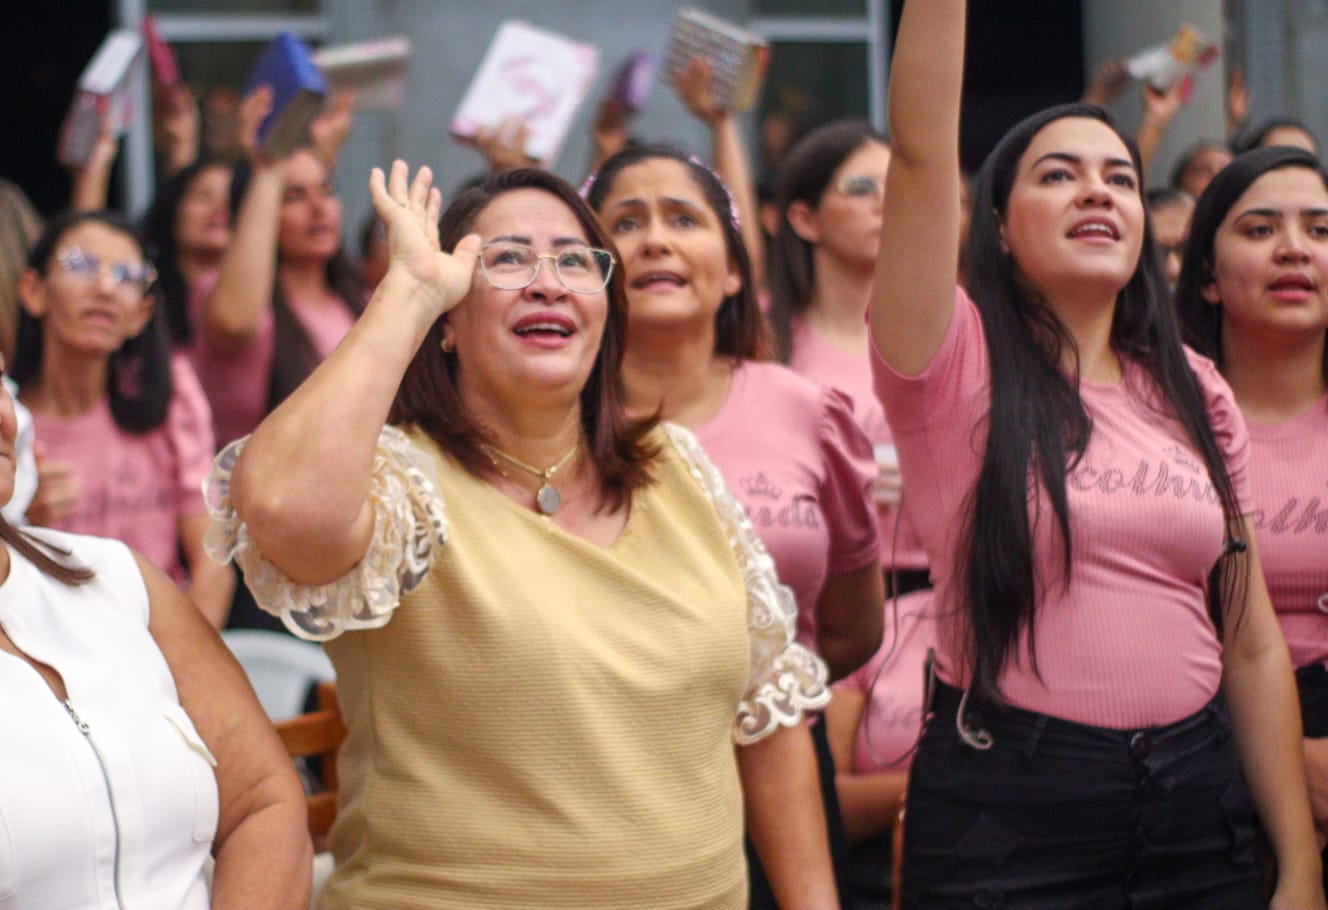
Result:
[298,88]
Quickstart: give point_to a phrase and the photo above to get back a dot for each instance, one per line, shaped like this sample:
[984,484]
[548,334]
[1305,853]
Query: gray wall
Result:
[450,39]
[1283,44]
[1120,28]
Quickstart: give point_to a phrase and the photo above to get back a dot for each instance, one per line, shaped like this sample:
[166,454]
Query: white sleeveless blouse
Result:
[109,800]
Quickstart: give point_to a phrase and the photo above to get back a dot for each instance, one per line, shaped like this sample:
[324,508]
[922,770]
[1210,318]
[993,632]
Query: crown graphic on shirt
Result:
[760,486]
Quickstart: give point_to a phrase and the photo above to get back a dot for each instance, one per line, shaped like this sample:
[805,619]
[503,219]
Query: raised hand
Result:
[1109,80]
[504,146]
[410,213]
[176,125]
[693,85]
[255,106]
[328,131]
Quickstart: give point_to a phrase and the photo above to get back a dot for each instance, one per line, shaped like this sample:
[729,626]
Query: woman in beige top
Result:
[576,700]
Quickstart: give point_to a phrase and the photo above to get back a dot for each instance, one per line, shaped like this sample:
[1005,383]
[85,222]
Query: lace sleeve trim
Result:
[410,526]
[785,679]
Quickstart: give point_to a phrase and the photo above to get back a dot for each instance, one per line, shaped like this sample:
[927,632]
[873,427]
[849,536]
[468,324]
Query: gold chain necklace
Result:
[547,498]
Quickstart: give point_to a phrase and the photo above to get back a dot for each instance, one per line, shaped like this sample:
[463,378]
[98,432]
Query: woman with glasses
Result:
[123,432]
[564,660]
[830,189]
[788,448]
[1112,698]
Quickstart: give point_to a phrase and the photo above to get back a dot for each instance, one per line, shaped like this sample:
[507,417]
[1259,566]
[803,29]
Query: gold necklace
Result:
[547,498]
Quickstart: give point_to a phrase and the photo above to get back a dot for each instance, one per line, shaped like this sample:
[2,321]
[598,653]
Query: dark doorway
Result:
[1023,55]
[47,44]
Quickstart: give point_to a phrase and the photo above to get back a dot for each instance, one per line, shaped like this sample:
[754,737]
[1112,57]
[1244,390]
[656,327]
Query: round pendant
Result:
[547,499]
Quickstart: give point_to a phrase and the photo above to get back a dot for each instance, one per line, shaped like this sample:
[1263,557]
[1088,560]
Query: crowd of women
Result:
[657,577]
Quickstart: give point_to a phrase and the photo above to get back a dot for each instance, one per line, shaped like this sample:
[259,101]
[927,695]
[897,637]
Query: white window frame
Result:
[870,29]
[138,173]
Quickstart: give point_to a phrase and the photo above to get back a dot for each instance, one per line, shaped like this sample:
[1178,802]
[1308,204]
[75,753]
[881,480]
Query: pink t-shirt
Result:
[1129,643]
[136,487]
[794,457]
[893,681]
[237,382]
[1289,484]
[823,363]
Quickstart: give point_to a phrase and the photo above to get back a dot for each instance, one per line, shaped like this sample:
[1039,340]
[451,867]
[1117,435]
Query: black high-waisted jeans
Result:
[1061,815]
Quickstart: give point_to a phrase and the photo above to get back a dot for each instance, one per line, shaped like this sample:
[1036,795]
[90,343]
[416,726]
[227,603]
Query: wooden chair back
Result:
[897,869]
[318,733]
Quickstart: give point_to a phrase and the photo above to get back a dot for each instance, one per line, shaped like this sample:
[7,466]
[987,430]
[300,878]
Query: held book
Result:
[738,58]
[374,70]
[1166,64]
[165,69]
[298,88]
[630,88]
[102,99]
[536,76]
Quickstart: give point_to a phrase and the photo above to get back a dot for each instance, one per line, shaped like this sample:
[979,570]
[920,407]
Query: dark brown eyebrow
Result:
[523,239]
[1277,213]
[1078,162]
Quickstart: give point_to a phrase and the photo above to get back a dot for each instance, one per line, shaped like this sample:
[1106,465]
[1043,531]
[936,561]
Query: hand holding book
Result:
[694,84]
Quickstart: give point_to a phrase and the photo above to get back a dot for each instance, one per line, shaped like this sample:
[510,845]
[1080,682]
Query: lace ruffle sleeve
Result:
[785,679]
[409,528]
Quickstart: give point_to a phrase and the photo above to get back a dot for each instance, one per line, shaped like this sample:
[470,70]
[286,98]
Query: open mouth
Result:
[1095,229]
[658,279]
[543,326]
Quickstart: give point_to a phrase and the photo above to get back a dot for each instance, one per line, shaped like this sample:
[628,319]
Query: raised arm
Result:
[915,273]
[234,309]
[730,156]
[302,482]
[90,182]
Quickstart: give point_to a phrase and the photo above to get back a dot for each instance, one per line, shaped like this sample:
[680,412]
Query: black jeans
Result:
[1062,815]
[1312,685]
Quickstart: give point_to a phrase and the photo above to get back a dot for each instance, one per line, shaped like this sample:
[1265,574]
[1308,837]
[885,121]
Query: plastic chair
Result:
[280,668]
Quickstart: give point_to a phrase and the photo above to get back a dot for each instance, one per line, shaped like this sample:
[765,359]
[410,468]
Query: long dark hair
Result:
[740,330]
[294,356]
[1254,138]
[429,396]
[139,381]
[1201,320]
[159,235]
[1038,423]
[804,176]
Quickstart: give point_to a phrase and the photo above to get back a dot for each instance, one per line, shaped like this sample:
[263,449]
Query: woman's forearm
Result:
[870,802]
[301,483]
[785,818]
[233,310]
[267,861]
[913,293]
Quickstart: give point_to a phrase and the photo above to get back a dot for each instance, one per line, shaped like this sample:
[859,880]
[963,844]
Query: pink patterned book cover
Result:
[535,75]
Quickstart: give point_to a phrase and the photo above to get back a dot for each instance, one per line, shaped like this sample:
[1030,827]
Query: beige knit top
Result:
[545,722]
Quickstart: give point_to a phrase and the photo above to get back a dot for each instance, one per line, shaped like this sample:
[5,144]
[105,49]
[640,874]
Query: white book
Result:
[534,75]
[102,98]
[374,70]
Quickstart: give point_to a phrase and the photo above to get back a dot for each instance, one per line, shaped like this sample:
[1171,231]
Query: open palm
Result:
[410,213]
